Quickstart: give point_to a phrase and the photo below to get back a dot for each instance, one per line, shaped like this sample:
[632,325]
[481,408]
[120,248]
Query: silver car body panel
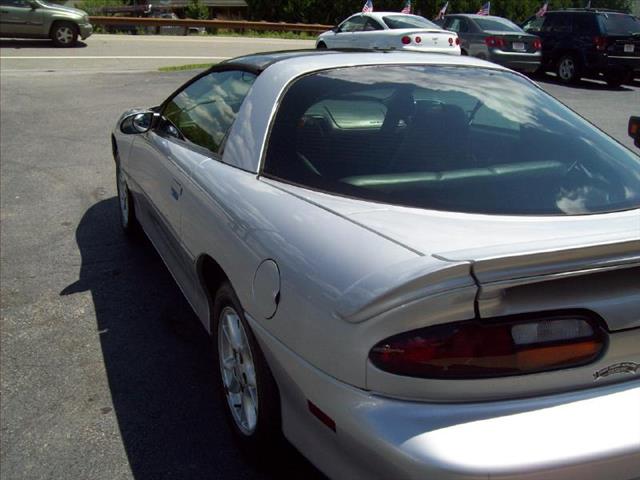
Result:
[352,273]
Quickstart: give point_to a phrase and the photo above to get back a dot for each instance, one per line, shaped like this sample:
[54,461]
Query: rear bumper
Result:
[448,50]
[588,434]
[523,62]
[606,63]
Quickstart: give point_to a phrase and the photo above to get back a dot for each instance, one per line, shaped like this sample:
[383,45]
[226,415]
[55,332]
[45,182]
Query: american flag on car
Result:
[485,9]
[368,7]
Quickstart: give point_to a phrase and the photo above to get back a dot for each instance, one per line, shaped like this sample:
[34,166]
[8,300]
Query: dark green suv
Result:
[41,19]
[588,43]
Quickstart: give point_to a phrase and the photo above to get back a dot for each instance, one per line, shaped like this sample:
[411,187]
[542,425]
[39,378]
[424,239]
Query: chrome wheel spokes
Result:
[238,371]
[64,35]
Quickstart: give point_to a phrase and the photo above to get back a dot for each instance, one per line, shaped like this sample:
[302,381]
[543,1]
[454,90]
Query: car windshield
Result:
[448,138]
[497,25]
[620,24]
[395,22]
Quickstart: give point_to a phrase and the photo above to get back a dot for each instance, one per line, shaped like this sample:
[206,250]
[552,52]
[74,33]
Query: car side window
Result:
[354,24]
[559,23]
[205,110]
[584,24]
[534,25]
[453,24]
[371,25]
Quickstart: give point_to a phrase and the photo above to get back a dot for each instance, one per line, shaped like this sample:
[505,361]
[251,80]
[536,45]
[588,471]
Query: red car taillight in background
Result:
[600,43]
[495,42]
[406,40]
[537,44]
[477,349]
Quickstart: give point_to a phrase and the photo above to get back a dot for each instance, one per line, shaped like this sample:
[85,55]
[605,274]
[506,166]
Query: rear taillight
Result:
[457,40]
[406,40]
[475,349]
[496,42]
[417,39]
[537,44]
[600,43]
[450,41]
[634,126]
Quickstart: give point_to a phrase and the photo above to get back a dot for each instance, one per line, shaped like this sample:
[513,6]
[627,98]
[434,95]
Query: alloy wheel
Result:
[64,35]
[567,69]
[238,372]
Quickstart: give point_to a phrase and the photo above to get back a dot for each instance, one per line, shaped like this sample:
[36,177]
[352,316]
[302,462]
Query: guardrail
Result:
[226,24]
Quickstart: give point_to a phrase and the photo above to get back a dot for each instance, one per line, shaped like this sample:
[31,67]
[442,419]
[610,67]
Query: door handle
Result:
[176,189]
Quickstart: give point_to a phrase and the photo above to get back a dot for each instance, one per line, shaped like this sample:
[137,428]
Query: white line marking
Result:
[108,57]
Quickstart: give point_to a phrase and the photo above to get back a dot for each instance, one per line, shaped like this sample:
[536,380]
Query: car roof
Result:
[475,15]
[588,10]
[262,60]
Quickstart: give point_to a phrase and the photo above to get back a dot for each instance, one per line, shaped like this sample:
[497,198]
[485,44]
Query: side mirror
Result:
[33,5]
[137,123]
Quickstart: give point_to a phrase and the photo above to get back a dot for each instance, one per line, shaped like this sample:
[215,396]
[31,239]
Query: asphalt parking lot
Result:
[105,372]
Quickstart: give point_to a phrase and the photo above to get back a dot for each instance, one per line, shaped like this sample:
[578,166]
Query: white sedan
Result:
[390,31]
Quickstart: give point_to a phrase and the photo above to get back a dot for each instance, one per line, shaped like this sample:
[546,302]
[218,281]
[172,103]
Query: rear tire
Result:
[64,34]
[568,69]
[247,388]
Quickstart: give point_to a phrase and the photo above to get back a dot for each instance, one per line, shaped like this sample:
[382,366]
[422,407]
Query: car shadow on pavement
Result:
[17,44]
[583,84]
[158,363]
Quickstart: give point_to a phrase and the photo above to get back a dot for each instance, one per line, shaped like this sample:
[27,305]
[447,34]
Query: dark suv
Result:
[588,43]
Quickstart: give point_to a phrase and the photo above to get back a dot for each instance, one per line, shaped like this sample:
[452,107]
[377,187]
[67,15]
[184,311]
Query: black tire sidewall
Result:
[130,229]
[268,431]
[73,27]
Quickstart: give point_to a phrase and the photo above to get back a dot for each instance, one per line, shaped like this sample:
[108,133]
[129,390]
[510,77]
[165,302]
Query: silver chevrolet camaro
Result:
[412,265]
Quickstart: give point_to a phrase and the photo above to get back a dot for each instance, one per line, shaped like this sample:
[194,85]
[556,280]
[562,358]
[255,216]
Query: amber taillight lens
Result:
[476,349]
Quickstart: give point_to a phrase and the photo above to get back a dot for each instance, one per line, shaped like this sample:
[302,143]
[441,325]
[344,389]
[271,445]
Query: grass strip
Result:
[189,66]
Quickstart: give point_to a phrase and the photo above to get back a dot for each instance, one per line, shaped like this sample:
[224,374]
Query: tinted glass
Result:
[497,25]
[354,24]
[585,24]
[457,25]
[620,24]
[14,3]
[408,21]
[557,23]
[447,138]
[205,110]
[372,25]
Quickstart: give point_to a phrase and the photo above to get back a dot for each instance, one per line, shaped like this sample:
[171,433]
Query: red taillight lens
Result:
[600,43]
[417,39]
[406,40]
[634,126]
[457,40]
[450,41]
[497,42]
[537,44]
[475,349]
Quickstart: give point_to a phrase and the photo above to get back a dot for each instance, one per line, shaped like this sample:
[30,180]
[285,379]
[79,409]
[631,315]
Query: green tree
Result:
[197,10]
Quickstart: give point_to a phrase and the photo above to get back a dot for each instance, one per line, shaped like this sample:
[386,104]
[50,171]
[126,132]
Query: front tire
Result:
[247,388]
[321,46]
[64,34]
[128,220]
[568,69]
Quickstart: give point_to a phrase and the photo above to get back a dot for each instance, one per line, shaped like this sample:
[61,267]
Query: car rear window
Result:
[408,21]
[448,138]
[497,25]
[616,24]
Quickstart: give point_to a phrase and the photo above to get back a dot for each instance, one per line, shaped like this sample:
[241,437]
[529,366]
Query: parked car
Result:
[41,19]
[390,31]
[496,39]
[634,130]
[588,43]
[415,266]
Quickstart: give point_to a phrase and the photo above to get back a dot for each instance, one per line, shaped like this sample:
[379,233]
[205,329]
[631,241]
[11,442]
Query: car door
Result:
[372,35]
[191,128]
[556,36]
[17,17]
[344,35]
